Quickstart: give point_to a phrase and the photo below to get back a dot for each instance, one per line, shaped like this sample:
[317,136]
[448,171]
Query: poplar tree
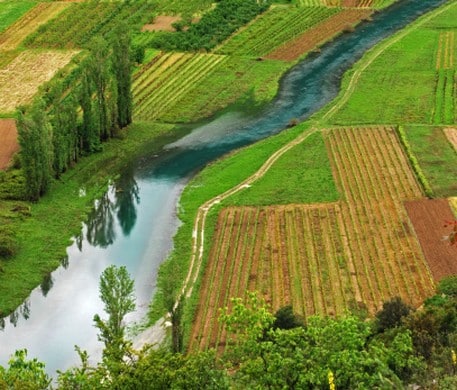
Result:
[35,139]
[121,43]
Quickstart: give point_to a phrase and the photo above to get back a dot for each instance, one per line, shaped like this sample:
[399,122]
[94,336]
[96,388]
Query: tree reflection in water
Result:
[119,201]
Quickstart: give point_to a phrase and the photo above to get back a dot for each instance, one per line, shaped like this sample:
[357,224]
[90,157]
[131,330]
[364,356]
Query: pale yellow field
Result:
[20,79]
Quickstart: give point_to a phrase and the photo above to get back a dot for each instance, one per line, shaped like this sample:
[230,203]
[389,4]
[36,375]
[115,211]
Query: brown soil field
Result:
[161,23]
[38,15]
[451,135]
[429,217]
[20,79]
[323,258]
[319,34]
[8,141]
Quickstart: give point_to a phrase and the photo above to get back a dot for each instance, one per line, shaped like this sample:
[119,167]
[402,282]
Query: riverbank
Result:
[44,229]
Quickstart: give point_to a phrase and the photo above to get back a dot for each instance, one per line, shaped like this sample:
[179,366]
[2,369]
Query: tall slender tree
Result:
[35,139]
[121,44]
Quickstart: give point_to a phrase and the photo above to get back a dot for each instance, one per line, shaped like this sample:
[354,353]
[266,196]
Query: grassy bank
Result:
[44,229]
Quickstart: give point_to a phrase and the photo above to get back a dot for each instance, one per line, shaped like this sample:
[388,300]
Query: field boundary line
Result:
[198,233]
[372,55]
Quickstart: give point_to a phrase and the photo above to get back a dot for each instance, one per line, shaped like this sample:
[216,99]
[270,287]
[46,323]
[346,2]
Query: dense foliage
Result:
[213,28]
[53,134]
[269,351]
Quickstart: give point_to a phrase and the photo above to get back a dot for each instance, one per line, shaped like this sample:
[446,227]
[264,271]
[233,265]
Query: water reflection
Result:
[120,201]
[46,284]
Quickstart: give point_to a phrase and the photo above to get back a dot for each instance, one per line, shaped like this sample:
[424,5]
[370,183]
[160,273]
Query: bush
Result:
[391,314]
[448,286]
[8,243]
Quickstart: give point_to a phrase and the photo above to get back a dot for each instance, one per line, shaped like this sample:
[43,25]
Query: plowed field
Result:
[37,16]
[318,34]
[8,141]
[20,79]
[428,217]
[326,258]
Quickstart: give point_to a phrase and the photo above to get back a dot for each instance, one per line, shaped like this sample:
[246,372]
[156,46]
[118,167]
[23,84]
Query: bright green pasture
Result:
[249,82]
[408,83]
[11,10]
[273,28]
[436,157]
[302,175]
[398,87]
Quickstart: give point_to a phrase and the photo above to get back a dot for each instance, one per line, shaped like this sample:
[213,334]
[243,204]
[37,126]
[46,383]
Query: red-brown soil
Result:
[8,141]
[319,34]
[429,217]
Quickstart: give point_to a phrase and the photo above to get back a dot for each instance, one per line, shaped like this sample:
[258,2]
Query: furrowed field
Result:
[323,258]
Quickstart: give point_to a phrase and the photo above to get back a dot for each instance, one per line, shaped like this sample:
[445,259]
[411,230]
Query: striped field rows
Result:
[322,258]
[160,84]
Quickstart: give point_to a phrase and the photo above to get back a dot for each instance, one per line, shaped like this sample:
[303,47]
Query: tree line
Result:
[81,107]
[399,348]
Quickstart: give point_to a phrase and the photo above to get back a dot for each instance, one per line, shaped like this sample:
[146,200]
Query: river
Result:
[133,224]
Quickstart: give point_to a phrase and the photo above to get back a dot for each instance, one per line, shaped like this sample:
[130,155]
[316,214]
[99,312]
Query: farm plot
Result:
[10,11]
[375,178]
[429,217]
[274,27]
[82,21]
[451,135]
[318,34]
[323,258]
[9,144]
[167,78]
[290,254]
[20,79]
[31,21]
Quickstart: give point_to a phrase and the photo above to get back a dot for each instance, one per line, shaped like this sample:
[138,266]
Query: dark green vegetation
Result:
[400,347]
[213,28]
[11,10]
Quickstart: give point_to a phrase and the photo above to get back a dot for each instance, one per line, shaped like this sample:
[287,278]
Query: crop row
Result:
[169,78]
[81,21]
[37,16]
[318,34]
[179,7]
[374,176]
[445,52]
[291,255]
[444,111]
[276,26]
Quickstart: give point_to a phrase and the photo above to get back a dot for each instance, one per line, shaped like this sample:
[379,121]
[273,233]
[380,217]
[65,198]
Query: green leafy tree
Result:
[392,313]
[24,374]
[117,293]
[122,67]
[35,139]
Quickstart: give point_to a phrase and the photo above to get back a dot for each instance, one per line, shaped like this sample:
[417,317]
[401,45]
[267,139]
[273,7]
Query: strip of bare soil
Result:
[429,218]
[319,34]
[8,141]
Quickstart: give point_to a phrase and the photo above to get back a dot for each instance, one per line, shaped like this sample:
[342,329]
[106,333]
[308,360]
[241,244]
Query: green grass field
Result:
[302,175]
[436,157]
[413,80]
[12,10]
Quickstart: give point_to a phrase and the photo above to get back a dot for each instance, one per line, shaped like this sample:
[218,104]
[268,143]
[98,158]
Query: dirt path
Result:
[8,141]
